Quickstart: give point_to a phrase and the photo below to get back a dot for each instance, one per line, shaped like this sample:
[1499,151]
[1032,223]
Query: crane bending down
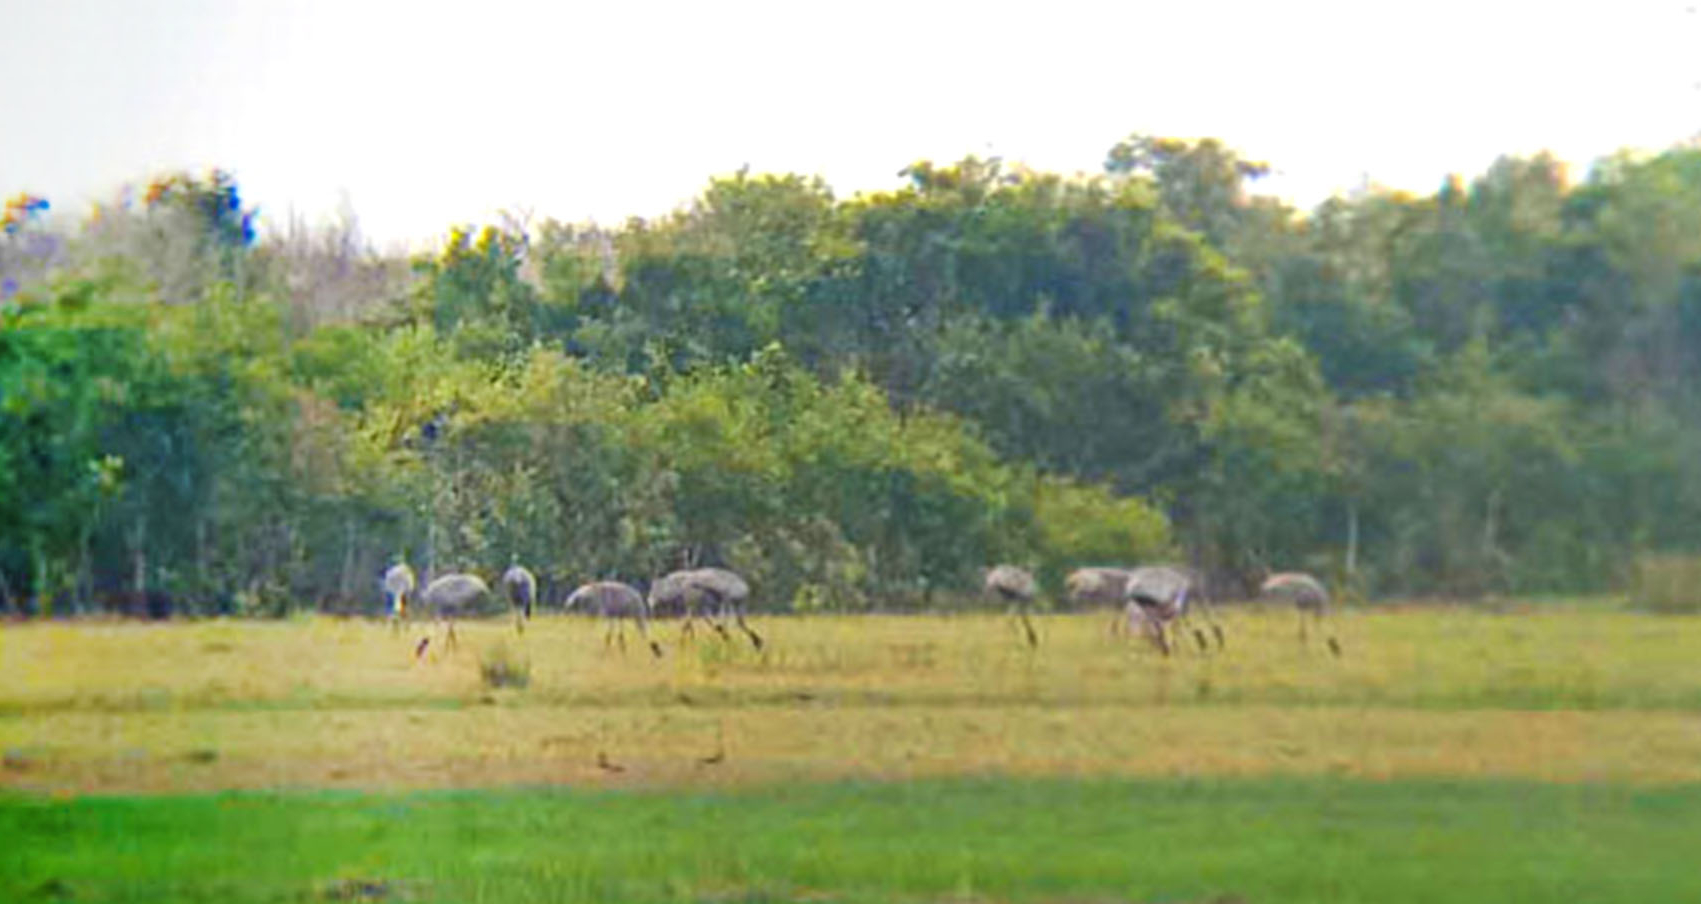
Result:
[717,587]
[520,586]
[399,584]
[1308,595]
[1015,587]
[1100,586]
[615,602]
[449,596]
[1158,595]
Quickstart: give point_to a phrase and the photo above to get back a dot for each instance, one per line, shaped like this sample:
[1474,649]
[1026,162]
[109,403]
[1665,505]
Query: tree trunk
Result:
[430,548]
[291,560]
[202,583]
[43,595]
[1490,548]
[1352,538]
[139,554]
[346,586]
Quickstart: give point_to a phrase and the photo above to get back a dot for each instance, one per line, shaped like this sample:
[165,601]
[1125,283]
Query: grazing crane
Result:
[1308,595]
[1015,587]
[1158,595]
[399,583]
[726,591]
[449,596]
[520,586]
[1099,586]
[615,602]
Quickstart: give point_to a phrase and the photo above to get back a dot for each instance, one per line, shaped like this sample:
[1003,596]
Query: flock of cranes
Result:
[1154,596]
[717,591]
[1151,598]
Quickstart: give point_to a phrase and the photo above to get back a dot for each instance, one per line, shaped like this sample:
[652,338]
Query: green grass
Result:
[1528,754]
[1257,841]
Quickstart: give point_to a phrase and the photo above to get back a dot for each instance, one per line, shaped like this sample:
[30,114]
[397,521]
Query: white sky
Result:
[422,114]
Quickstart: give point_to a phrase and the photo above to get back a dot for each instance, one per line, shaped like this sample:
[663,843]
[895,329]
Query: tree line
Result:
[860,402]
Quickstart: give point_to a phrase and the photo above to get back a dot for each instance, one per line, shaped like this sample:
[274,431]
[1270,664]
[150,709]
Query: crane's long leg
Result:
[644,631]
[1328,633]
[1119,624]
[1018,614]
[738,616]
[688,629]
[1159,634]
[1146,621]
[1209,613]
[1133,620]
[425,642]
[718,622]
[1184,621]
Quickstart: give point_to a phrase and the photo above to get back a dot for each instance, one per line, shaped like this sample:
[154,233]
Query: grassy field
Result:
[1049,840]
[1526,755]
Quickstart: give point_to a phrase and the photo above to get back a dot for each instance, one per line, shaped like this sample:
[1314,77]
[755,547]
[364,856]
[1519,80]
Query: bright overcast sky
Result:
[424,114]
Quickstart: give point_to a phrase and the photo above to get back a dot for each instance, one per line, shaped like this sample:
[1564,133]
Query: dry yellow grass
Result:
[1555,695]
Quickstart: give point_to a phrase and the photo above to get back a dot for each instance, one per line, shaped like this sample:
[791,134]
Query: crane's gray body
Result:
[696,586]
[1309,596]
[1159,594]
[724,590]
[1016,587]
[520,586]
[399,584]
[454,595]
[1098,586]
[1010,584]
[1160,590]
[609,599]
[615,603]
[1303,590]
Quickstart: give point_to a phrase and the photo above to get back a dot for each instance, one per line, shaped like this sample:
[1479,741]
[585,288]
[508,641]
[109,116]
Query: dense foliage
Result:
[861,402]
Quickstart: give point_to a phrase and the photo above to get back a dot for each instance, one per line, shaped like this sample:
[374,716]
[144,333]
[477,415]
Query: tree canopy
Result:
[860,402]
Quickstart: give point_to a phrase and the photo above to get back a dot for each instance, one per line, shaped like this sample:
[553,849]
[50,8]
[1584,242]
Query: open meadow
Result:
[1452,754]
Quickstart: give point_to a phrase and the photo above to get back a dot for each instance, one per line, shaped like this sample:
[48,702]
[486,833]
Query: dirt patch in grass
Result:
[696,746]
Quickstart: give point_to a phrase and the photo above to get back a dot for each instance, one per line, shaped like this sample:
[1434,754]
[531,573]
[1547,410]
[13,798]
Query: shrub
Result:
[1667,583]
[502,668]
